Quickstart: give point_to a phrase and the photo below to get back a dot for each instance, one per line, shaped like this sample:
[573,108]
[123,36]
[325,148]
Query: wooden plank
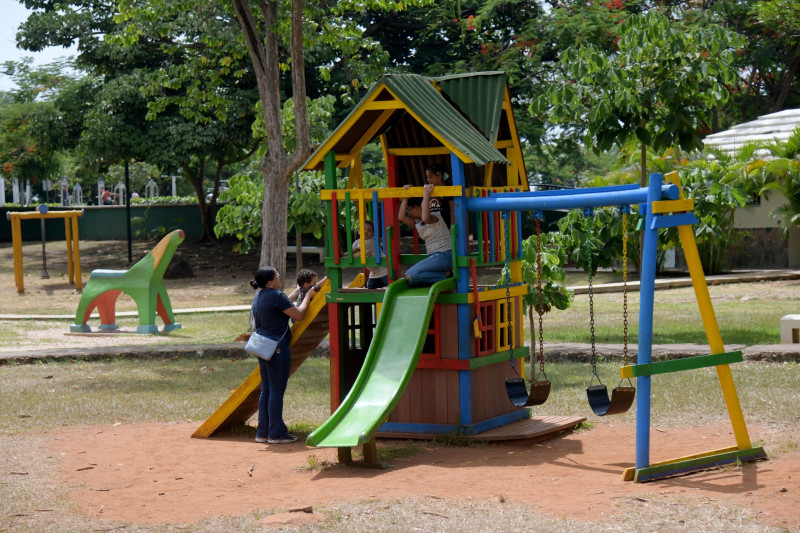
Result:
[531,428]
[678,365]
[479,392]
[449,335]
[428,396]
[440,396]
[699,463]
[415,397]
[671,221]
[671,206]
[453,404]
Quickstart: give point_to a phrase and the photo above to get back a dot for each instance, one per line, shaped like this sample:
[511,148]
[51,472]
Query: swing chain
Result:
[540,307]
[591,295]
[625,286]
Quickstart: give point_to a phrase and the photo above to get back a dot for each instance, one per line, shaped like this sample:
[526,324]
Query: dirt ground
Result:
[156,473]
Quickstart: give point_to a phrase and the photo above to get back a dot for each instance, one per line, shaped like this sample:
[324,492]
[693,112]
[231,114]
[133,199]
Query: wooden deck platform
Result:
[537,427]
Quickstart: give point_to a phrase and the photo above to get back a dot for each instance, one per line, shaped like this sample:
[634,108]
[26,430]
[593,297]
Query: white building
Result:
[766,246]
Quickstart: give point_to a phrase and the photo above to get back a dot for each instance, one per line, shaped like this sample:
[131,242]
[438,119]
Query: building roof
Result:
[773,127]
[464,117]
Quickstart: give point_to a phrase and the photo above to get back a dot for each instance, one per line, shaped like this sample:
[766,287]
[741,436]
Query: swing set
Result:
[622,397]
[662,206]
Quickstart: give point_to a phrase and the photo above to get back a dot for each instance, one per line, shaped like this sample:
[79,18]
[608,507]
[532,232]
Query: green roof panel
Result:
[422,98]
[479,96]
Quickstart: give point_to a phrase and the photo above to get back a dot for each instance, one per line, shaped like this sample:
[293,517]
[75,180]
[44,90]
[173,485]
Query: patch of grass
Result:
[49,395]
[747,314]
[54,394]
[458,439]
[391,451]
[315,465]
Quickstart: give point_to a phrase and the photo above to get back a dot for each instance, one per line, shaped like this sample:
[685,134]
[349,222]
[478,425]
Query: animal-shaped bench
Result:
[144,282]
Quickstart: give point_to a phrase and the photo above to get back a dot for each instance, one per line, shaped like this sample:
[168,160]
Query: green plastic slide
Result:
[390,362]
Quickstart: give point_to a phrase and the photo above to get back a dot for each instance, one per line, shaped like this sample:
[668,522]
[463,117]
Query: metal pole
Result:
[128,211]
[43,210]
[45,275]
[646,300]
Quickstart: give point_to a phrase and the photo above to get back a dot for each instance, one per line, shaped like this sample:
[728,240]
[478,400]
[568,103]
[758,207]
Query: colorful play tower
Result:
[419,362]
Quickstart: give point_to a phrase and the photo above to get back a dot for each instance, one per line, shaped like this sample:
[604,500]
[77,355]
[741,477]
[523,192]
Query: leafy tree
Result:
[130,115]
[554,293]
[30,148]
[658,87]
[769,62]
[782,174]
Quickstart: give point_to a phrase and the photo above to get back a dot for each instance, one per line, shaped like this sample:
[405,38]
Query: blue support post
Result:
[646,297]
[462,285]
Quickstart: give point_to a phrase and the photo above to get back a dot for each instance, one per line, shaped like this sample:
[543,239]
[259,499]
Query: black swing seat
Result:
[519,396]
[620,401]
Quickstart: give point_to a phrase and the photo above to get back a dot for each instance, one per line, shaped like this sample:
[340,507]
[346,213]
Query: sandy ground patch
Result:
[154,472]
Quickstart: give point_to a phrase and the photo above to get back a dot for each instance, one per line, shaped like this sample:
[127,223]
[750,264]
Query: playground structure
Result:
[421,362]
[144,282]
[71,231]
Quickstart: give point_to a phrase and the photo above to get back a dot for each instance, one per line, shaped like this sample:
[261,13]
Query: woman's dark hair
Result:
[438,168]
[263,276]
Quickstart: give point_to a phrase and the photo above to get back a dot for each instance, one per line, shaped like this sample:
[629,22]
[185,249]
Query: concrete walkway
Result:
[555,352]
[660,284]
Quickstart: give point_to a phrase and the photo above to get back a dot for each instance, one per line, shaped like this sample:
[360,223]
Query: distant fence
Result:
[110,222]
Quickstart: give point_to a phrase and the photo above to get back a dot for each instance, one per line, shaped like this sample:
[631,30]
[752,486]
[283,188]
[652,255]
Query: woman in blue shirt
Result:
[272,311]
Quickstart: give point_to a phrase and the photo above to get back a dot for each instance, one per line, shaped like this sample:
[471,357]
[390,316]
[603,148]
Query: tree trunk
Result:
[197,184]
[276,166]
[788,82]
[274,211]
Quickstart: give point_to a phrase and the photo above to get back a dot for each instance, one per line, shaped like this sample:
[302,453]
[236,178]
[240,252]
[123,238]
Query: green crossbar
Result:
[699,463]
[678,365]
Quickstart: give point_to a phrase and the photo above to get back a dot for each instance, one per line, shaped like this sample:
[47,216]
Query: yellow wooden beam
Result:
[27,215]
[419,150]
[16,239]
[629,473]
[344,128]
[508,143]
[355,180]
[382,104]
[371,131]
[76,254]
[519,162]
[461,155]
[672,206]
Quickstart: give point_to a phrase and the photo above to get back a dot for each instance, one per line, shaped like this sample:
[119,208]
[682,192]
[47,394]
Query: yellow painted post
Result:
[502,240]
[16,239]
[76,254]
[68,237]
[714,338]
[487,176]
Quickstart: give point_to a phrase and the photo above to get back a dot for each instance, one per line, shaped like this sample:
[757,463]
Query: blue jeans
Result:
[274,377]
[377,283]
[431,269]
